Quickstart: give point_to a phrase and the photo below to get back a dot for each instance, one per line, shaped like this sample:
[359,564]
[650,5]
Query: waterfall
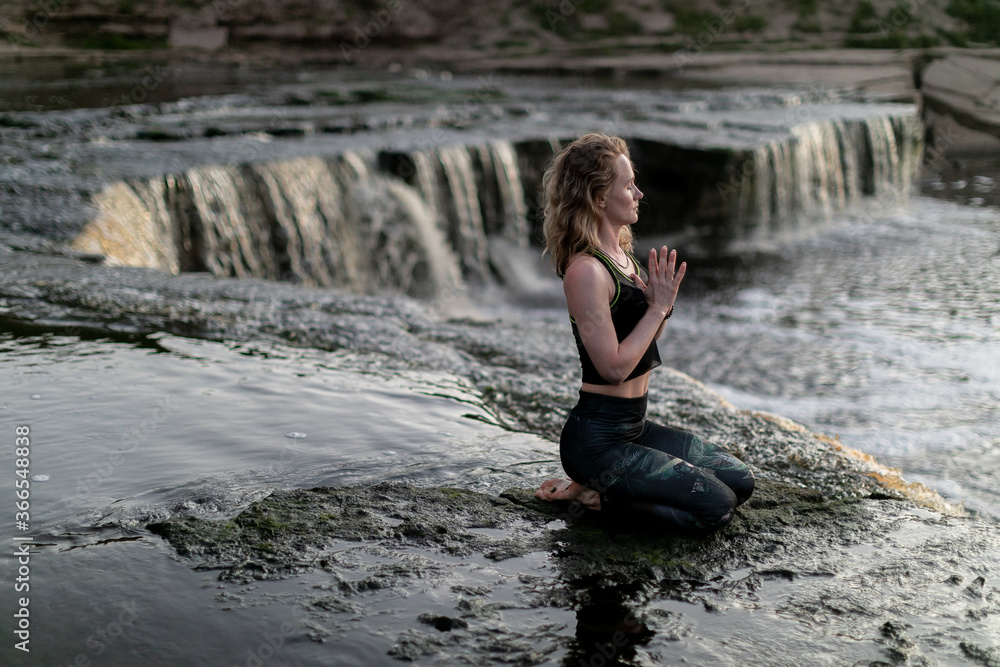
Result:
[305,200]
[235,234]
[848,137]
[132,227]
[825,166]
[336,221]
[505,211]
[476,192]
[426,222]
[459,201]
[439,274]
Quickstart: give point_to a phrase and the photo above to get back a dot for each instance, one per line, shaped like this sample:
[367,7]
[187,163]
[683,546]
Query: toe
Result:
[551,489]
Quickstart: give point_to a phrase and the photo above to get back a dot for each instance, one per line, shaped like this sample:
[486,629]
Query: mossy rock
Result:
[292,531]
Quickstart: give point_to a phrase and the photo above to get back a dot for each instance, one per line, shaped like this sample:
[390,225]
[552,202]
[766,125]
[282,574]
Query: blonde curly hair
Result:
[576,177]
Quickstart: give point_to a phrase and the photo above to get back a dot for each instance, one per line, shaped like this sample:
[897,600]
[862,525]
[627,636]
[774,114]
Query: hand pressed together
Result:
[664,280]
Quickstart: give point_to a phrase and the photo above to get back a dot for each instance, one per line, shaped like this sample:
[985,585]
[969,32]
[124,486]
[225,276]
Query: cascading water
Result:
[305,200]
[459,202]
[504,207]
[424,222]
[133,226]
[323,221]
[824,166]
[231,225]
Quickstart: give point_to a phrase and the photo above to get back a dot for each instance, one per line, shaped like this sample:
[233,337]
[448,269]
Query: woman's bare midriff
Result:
[633,388]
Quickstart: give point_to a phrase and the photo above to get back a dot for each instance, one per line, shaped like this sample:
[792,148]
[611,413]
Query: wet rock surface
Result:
[835,552]
[287,532]
[525,380]
[842,567]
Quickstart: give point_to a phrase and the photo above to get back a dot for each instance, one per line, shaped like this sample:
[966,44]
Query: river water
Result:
[884,333]
[881,328]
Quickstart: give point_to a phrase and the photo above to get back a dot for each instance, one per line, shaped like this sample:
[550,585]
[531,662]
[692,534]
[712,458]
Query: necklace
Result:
[625,267]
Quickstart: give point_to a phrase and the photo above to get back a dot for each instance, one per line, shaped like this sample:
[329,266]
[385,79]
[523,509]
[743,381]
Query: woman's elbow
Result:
[614,376]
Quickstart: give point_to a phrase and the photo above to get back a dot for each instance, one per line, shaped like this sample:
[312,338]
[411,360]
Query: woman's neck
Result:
[610,240]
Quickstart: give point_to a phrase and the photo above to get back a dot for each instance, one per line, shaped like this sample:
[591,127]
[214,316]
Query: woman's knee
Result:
[739,491]
[742,487]
[718,509]
[740,481]
[723,520]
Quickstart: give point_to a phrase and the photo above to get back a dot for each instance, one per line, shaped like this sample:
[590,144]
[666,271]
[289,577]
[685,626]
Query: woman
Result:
[620,463]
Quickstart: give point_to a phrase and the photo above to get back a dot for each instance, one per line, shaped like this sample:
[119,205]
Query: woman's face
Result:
[621,203]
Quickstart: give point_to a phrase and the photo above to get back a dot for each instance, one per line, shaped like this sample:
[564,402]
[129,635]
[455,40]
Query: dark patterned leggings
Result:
[645,471]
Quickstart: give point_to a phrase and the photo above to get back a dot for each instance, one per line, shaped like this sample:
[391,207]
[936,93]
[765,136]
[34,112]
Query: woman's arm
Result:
[589,289]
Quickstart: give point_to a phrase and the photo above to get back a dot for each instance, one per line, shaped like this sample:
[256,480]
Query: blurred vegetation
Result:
[892,40]
[563,19]
[690,20]
[983,17]
[864,19]
[803,6]
[808,19]
[808,23]
[905,24]
[867,27]
[620,23]
[870,30]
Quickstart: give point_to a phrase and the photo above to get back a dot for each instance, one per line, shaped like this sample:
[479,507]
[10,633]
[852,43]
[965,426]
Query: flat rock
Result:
[883,573]
[967,88]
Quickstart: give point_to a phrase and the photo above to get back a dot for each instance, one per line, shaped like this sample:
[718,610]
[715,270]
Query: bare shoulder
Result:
[586,275]
[584,267]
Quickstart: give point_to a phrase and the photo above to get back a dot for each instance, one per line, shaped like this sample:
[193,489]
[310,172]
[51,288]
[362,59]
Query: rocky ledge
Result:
[835,554]
[904,584]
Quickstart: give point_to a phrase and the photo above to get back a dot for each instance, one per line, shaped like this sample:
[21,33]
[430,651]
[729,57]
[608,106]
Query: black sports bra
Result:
[627,308]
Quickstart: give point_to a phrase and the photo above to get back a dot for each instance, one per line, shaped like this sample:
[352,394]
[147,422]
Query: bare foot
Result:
[565,489]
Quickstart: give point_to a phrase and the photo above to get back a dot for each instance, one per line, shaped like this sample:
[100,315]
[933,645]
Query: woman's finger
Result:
[679,276]
[671,262]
